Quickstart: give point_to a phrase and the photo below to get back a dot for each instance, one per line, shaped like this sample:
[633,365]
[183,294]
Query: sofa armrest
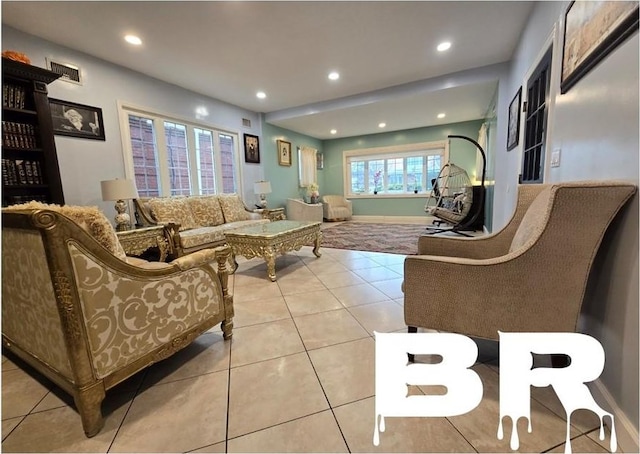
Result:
[202,257]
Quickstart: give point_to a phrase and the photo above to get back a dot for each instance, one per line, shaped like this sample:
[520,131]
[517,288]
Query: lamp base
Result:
[263,200]
[123,220]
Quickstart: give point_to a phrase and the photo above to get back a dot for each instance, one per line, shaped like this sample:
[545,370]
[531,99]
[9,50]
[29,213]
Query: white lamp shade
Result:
[262,187]
[118,190]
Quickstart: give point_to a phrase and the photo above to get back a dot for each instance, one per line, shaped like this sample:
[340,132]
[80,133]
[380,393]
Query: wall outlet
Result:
[555,158]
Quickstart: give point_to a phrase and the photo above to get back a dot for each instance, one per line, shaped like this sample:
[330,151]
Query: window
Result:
[187,159]
[145,156]
[536,122]
[398,170]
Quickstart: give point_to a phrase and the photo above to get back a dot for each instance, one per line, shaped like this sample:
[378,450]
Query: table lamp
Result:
[120,190]
[263,188]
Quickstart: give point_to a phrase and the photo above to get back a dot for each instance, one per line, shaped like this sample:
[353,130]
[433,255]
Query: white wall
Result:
[84,163]
[596,126]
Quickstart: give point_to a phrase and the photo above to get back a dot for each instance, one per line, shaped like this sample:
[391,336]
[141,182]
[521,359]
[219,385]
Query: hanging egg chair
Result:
[451,197]
[454,199]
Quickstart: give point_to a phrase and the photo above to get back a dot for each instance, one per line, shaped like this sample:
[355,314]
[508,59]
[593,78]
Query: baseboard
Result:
[625,431]
[395,219]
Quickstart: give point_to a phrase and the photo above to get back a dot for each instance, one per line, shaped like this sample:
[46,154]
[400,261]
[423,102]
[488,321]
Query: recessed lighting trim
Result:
[133,39]
[261,95]
[334,131]
[441,115]
[382,125]
[334,75]
[446,45]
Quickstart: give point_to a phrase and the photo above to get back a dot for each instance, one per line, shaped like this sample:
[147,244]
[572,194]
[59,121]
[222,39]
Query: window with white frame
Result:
[172,157]
[396,170]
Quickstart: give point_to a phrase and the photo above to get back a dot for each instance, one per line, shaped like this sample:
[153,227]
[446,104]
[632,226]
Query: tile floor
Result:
[298,376]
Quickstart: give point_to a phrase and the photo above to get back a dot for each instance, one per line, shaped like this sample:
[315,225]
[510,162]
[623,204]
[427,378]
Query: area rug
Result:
[364,236]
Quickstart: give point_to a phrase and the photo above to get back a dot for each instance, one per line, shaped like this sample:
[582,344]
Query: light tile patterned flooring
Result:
[298,376]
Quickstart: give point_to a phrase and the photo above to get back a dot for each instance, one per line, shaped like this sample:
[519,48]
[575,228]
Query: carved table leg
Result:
[232,263]
[270,258]
[316,248]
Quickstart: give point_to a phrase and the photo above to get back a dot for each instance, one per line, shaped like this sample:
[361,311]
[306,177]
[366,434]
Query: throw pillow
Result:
[91,219]
[173,209]
[233,208]
[206,210]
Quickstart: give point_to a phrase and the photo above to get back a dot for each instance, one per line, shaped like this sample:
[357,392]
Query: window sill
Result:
[420,195]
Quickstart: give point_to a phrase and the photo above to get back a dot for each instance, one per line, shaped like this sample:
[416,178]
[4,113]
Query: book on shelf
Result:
[18,135]
[13,96]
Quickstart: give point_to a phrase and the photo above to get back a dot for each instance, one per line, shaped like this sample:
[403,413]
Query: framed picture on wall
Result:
[591,31]
[513,132]
[284,152]
[251,149]
[76,120]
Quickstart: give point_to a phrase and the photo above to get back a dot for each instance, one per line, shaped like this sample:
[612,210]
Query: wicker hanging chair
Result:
[452,196]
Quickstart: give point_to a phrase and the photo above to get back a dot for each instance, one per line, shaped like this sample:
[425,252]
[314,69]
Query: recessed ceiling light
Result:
[444,46]
[441,115]
[334,131]
[133,39]
[381,125]
[334,75]
[261,94]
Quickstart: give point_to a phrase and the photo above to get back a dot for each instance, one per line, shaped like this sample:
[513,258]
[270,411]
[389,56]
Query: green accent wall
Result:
[284,179]
[462,153]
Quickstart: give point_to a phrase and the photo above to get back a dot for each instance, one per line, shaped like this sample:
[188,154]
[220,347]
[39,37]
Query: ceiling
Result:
[385,52]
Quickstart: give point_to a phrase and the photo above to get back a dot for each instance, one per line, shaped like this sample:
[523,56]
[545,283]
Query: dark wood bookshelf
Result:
[30,169]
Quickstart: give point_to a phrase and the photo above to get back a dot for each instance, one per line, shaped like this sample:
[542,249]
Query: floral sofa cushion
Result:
[173,209]
[90,219]
[233,208]
[206,210]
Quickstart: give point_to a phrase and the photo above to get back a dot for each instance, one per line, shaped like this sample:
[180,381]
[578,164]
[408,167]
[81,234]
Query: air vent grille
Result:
[246,122]
[69,73]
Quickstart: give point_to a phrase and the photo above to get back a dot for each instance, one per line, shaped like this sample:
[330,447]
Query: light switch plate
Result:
[555,158]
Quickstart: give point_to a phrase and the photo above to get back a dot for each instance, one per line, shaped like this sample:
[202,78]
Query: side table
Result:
[273,214]
[136,242]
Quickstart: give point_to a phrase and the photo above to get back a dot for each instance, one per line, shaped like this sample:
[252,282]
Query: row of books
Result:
[21,172]
[18,135]
[13,96]
[15,199]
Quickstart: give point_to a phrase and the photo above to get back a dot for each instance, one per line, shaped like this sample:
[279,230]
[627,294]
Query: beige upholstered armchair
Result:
[86,316]
[298,210]
[529,277]
[336,208]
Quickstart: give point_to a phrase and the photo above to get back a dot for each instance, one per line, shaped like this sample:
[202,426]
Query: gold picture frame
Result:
[284,152]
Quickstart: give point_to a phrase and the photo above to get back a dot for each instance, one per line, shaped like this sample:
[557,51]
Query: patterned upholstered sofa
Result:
[196,222]
[86,316]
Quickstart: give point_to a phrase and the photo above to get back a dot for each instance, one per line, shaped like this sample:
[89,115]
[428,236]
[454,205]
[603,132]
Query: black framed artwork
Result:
[513,132]
[76,120]
[251,149]
[591,31]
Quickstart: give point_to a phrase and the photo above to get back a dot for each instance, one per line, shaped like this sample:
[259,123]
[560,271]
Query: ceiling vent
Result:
[70,73]
[246,122]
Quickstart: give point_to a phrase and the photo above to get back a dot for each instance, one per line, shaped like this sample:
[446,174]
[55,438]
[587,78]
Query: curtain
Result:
[308,164]
[482,141]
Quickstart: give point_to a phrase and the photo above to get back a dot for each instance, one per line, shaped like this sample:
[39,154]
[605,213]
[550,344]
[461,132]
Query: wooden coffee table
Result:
[273,239]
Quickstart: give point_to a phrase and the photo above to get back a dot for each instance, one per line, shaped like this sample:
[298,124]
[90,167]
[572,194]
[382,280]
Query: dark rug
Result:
[364,236]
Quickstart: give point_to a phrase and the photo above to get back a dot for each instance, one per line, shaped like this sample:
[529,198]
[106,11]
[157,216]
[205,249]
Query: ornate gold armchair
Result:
[88,317]
[529,277]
